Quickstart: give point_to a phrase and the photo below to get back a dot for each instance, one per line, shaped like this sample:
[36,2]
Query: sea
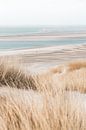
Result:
[7,32]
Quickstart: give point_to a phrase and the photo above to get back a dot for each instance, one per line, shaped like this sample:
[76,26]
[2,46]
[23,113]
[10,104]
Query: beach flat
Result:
[47,56]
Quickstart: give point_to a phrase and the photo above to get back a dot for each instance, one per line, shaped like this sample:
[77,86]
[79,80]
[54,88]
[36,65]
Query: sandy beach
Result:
[47,56]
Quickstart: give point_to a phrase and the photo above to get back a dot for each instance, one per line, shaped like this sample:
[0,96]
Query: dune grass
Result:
[12,75]
[75,65]
[53,100]
[73,81]
[30,110]
[64,78]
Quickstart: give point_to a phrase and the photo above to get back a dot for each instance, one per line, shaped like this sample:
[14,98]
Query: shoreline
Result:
[49,49]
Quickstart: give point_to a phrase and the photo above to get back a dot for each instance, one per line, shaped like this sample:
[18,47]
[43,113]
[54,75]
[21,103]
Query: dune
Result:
[30,110]
[69,76]
[54,99]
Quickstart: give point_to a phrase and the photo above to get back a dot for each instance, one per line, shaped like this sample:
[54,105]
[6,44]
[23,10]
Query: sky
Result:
[42,12]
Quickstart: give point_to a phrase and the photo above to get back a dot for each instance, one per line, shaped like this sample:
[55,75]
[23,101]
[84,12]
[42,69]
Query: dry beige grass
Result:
[55,70]
[56,103]
[71,78]
[29,110]
[72,81]
[12,75]
[76,65]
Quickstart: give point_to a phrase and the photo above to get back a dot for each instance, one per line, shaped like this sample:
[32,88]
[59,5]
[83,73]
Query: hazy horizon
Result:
[19,13]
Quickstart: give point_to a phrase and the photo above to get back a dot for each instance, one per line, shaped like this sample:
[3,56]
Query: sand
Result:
[42,58]
[41,37]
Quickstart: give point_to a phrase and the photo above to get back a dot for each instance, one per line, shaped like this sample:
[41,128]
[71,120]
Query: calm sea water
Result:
[41,30]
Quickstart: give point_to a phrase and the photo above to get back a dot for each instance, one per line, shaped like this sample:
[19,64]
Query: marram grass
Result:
[53,100]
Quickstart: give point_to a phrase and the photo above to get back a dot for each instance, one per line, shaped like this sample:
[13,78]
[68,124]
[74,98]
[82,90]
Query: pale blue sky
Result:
[42,12]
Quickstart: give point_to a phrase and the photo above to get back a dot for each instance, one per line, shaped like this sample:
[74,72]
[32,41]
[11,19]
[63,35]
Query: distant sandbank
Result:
[41,37]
